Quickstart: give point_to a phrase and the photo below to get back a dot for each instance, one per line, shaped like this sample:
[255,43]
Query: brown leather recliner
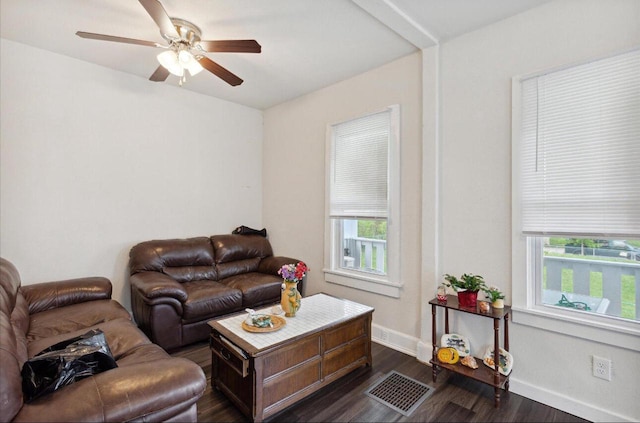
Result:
[147,385]
[178,285]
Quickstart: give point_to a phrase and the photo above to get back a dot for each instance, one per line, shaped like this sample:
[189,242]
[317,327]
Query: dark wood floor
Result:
[455,399]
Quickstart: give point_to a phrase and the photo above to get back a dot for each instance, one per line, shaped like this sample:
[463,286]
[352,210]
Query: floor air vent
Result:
[399,392]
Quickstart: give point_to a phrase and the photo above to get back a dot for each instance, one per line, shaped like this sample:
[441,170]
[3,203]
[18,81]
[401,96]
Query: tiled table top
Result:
[315,312]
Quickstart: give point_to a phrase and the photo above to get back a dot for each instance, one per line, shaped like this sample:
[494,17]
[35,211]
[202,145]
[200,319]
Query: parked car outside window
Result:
[605,248]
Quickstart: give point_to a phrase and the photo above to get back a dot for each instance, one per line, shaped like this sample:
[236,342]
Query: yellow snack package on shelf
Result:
[448,355]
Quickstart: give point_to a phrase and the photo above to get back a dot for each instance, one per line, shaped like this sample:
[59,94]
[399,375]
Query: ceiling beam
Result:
[387,12]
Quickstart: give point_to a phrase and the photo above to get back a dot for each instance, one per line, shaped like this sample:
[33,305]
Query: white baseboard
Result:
[565,403]
[396,340]
[423,353]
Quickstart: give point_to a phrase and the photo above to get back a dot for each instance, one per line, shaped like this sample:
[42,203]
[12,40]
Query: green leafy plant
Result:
[467,281]
[493,293]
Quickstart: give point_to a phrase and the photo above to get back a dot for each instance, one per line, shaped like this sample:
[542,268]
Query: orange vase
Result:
[290,298]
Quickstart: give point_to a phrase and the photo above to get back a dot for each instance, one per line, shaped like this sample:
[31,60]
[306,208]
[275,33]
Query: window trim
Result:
[526,303]
[389,285]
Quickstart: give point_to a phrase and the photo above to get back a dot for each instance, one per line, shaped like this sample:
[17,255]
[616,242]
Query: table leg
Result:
[434,368]
[496,359]
[506,343]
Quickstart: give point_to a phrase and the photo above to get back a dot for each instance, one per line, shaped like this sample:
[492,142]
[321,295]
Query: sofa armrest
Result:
[154,285]
[272,264]
[126,393]
[48,295]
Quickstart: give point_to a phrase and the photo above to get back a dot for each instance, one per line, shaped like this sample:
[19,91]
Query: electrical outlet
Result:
[601,367]
[384,335]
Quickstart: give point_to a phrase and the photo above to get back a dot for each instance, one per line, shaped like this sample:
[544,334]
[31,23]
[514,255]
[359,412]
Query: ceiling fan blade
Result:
[159,15]
[103,37]
[160,74]
[219,71]
[231,46]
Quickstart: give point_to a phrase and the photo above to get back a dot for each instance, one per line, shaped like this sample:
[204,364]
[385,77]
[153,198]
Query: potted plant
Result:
[467,288]
[496,297]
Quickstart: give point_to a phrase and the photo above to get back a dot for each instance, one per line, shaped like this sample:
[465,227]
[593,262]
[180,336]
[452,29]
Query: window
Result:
[577,152]
[362,230]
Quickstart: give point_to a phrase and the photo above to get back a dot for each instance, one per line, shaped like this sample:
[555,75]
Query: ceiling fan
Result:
[186,50]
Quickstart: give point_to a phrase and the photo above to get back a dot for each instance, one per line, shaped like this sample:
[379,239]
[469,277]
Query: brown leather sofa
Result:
[178,285]
[147,385]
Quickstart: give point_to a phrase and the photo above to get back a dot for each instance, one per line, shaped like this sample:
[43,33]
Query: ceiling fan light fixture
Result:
[185,57]
[195,68]
[169,59]
[189,62]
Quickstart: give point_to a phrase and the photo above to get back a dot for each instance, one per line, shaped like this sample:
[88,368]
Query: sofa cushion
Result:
[122,336]
[257,288]
[47,295]
[162,255]
[239,247]
[209,299]
[72,318]
[191,273]
[144,353]
[237,267]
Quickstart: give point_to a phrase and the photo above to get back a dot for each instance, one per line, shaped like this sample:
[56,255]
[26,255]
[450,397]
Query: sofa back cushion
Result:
[14,324]
[235,254]
[184,260]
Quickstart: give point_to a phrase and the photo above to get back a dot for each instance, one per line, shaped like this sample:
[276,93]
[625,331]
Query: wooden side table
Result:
[483,373]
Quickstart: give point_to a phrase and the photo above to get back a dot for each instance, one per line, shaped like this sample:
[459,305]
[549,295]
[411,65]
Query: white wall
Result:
[293,181]
[94,161]
[476,71]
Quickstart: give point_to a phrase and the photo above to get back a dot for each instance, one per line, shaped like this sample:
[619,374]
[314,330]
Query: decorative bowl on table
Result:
[261,320]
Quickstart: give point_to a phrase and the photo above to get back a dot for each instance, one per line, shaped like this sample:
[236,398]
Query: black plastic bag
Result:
[66,362]
[245,230]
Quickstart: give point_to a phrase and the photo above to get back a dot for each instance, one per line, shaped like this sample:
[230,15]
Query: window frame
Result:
[527,256]
[390,284]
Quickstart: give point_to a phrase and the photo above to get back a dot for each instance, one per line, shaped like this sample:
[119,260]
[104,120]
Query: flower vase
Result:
[499,303]
[467,299]
[290,298]
[441,294]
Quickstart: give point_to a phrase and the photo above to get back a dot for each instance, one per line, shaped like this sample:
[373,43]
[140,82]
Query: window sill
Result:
[363,282]
[624,334]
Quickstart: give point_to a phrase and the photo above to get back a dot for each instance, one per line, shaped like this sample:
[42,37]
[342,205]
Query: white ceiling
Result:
[306,44]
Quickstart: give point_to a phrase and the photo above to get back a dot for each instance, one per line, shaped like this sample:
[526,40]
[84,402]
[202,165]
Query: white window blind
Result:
[581,149]
[359,167]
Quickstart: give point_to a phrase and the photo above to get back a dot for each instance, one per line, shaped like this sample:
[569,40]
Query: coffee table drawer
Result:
[291,382]
[290,356]
[237,359]
[344,333]
[344,358]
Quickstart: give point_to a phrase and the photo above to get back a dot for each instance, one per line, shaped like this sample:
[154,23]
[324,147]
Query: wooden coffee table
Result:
[263,373]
